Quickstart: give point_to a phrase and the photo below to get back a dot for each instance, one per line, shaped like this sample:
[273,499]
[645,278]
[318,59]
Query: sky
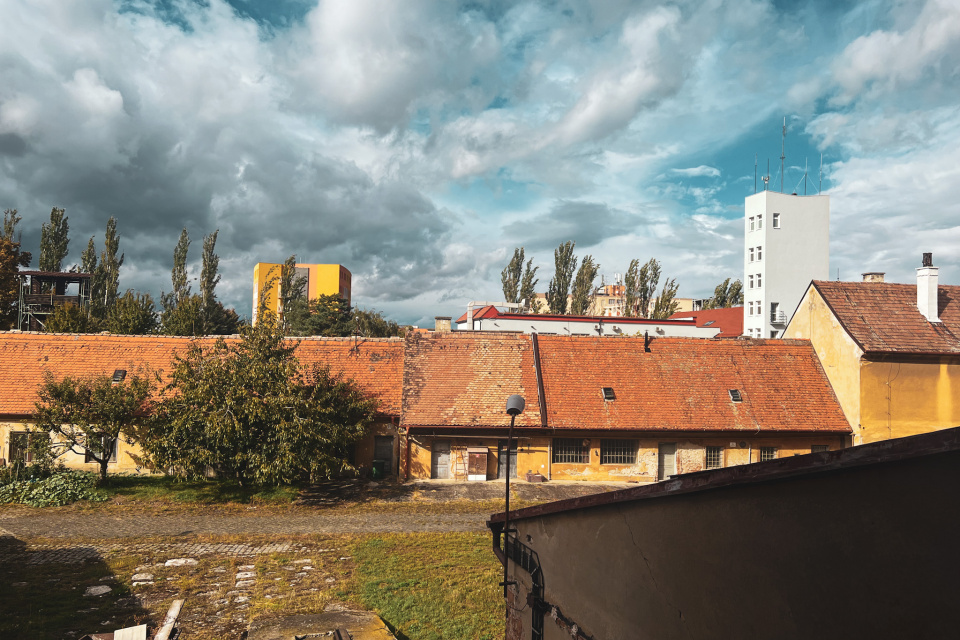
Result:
[419,142]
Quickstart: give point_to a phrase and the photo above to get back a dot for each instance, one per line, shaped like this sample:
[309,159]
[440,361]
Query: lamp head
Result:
[515,405]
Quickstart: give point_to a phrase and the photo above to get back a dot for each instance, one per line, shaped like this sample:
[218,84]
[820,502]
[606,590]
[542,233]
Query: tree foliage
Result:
[372,324]
[583,289]
[188,314]
[565,264]
[665,304]
[105,271]
[71,318]
[54,241]
[327,315]
[511,275]
[133,313]
[11,259]
[249,411]
[640,287]
[89,415]
[726,294]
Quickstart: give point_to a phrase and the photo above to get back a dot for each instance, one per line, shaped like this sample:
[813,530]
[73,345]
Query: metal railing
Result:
[778,317]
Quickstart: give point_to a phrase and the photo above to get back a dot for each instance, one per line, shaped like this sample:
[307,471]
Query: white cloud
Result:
[696,172]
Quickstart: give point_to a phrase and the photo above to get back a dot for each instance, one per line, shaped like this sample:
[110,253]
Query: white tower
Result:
[786,245]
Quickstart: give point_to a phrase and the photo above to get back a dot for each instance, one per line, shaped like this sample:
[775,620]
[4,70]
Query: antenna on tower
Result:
[766,178]
[754,173]
[804,176]
[783,142]
[820,186]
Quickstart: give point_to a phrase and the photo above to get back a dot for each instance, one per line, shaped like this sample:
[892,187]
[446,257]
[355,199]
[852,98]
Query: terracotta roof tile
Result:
[883,316]
[376,365]
[683,384]
[463,379]
[729,320]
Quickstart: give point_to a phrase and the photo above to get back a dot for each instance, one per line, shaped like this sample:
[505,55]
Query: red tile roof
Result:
[682,384]
[479,313]
[463,379]
[883,316]
[376,365]
[729,320]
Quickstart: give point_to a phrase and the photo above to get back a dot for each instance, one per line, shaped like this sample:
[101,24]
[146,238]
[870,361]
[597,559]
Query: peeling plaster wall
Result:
[758,560]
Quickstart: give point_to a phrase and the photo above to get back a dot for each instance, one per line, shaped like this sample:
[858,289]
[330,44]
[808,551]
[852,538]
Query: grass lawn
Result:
[424,586]
[166,489]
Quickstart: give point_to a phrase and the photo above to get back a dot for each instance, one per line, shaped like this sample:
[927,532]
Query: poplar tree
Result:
[528,285]
[11,259]
[665,304]
[583,291]
[565,264]
[726,294]
[54,240]
[511,276]
[106,271]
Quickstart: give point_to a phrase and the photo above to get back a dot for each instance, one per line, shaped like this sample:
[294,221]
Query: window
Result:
[571,450]
[768,453]
[759,280]
[750,282]
[773,334]
[714,457]
[90,452]
[759,253]
[608,393]
[750,308]
[760,222]
[735,395]
[819,448]
[751,223]
[776,221]
[751,254]
[618,451]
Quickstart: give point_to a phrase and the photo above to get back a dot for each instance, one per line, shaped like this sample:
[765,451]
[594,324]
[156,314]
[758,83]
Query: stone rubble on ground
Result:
[180,562]
[97,590]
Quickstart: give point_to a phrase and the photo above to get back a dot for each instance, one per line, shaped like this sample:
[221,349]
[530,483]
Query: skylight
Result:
[119,375]
[608,393]
[735,395]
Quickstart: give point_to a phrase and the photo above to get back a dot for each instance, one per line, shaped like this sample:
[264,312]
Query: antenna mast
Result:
[804,176]
[766,178]
[820,186]
[754,173]
[783,141]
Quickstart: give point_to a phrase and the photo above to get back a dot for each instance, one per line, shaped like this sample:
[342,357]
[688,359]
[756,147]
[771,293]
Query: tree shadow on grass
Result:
[42,593]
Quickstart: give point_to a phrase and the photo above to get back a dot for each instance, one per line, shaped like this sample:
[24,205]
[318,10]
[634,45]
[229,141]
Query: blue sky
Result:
[419,142]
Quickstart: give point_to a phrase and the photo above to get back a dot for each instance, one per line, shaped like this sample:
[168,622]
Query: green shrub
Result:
[57,490]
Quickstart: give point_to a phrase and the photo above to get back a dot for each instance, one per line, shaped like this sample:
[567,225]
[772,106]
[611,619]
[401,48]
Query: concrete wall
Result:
[843,553]
[901,398]
[839,355]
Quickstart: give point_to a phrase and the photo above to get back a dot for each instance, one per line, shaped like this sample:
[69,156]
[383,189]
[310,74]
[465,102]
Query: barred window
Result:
[768,453]
[714,457]
[618,451]
[819,448]
[571,450]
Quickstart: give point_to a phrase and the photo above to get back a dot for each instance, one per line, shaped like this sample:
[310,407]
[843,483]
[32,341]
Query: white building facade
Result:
[786,245]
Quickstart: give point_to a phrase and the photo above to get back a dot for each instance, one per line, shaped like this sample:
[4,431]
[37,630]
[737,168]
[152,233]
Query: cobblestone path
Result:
[136,525]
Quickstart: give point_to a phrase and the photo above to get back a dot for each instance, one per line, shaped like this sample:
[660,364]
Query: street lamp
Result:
[515,405]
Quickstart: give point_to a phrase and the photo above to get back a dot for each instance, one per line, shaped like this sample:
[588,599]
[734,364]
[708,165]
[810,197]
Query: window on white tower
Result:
[750,282]
[776,221]
[759,280]
[759,253]
[752,220]
[750,308]
[751,254]
[760,221]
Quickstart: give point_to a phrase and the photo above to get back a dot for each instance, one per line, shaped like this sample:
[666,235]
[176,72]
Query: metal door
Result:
[667,460]
[440,462]
[383,450]
[502,459]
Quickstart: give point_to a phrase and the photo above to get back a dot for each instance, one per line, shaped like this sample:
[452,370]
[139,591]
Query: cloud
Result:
[586,223]
[697,172]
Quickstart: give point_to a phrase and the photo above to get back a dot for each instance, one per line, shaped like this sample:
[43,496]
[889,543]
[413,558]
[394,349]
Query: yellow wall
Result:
[533,454]
[322,279]
[906,398]
[839,355]
[127,453]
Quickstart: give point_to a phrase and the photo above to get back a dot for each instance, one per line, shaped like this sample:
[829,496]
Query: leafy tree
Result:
[511,276]
[106,271]
[133,313]
[665,304]
[292,286]
[88,259]
[183,319]
[583,290]
[726,294]
[372,324]
[178,275]
[528,284]
[70,318]
[248,410]
[328,315]
[640,287]
[54,240]
[11,259]
[565,263]
[88,415]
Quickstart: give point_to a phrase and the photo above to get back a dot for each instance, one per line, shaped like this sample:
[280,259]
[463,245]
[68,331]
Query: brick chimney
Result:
[927,280]
[442,323]
[873,276]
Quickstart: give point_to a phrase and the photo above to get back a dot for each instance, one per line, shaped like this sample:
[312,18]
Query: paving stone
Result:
[97,590]
[180,562]
[142,577]
[247,567]
[245,584]
[242,599]
[245,575]
[140,583]
[304,561]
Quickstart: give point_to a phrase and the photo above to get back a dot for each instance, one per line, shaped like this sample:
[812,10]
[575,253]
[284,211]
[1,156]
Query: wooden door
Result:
[440,460]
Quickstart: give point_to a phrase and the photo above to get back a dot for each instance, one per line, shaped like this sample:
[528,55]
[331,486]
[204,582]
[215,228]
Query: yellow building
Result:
[321,279]
[891,352]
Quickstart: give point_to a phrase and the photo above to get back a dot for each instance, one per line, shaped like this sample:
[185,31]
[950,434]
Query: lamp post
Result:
[515,406]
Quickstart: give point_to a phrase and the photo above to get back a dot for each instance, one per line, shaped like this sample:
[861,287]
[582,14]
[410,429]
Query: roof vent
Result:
[735,395]
[608,393]
[119,375]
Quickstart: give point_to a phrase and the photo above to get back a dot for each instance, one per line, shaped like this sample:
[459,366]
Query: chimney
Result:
[442,324]
[873,276]
[927,280]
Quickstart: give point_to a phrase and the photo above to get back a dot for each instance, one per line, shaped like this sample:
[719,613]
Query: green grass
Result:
[164,489]
[430,586]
